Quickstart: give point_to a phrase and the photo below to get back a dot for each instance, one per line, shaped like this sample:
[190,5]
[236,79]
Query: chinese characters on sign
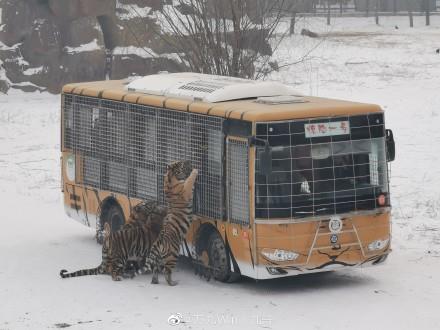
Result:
[327,129]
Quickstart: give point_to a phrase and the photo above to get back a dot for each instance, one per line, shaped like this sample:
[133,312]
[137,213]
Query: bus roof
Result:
[255,109]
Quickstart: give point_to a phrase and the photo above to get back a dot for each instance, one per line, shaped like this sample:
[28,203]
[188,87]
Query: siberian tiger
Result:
[146,213]
[131,243]
[178,190]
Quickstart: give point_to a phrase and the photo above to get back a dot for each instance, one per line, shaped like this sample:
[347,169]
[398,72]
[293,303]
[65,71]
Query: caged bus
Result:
[288,184]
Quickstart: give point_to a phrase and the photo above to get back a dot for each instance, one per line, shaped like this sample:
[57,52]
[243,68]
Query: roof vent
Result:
[207,88]
[281,99]
[203,86]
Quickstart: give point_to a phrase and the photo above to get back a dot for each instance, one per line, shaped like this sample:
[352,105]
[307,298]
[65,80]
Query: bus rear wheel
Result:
[218,258]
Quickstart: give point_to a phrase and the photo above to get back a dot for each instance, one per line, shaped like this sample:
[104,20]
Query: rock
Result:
[28,87]
[74,9]
[82,31]
[129,64]
[153,4]
[45,44]
[4,86]
[139,31]
[84,66]
[13,63]
[42,45]
[16,19]
[4,81]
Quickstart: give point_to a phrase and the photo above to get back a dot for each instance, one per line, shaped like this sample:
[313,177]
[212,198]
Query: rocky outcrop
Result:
[74,9]
[45,44]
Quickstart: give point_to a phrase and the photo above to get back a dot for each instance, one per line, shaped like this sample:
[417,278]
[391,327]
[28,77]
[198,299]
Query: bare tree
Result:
[226,37]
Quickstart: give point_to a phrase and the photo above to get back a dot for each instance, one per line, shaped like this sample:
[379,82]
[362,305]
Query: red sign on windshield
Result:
[327,129]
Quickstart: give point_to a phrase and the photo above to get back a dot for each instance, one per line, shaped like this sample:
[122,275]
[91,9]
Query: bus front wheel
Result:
[114,217]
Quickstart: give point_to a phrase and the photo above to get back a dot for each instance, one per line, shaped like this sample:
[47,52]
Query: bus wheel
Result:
[114,217]
[218,258]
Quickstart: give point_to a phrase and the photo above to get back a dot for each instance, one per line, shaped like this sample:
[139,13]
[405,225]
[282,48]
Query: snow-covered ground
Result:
[396,68]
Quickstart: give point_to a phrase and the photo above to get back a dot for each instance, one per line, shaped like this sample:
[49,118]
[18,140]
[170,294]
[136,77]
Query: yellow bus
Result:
[288,184]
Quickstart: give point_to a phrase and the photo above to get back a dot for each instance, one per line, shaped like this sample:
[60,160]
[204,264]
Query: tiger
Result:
[178,190]
[143,213]
[129,244]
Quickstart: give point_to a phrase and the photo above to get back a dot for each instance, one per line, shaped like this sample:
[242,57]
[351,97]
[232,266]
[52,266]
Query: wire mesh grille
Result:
[173,136]
[340,167]
[125,148]
[67,109]
[92,171]
[238,174]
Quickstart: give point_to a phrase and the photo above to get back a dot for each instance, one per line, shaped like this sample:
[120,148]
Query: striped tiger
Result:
[131,243]
[178,190]
[146,213]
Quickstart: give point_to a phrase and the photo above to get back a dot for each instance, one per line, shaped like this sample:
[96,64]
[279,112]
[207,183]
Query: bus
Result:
[288,184]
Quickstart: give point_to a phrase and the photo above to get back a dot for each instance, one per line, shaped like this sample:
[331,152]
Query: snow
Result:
[142,52]
[130,11]
[88,47]
[3,74]
[32,71]
[397,69]
[173,56]
[4,47]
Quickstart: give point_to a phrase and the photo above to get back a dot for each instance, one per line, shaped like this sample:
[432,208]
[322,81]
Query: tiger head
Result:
[149,214]
[179,181]
[142,210]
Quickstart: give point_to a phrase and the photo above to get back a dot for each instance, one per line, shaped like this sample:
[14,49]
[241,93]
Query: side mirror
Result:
[266,160]
[391,147]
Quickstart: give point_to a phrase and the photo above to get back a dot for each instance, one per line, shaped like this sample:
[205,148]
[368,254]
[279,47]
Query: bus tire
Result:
[218,258]
[114,217]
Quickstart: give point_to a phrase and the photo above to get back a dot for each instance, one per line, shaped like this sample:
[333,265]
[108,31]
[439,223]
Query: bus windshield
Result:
[317,177]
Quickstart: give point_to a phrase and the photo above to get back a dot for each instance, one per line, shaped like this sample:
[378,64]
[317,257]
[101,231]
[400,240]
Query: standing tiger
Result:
[131,243]
[178,189]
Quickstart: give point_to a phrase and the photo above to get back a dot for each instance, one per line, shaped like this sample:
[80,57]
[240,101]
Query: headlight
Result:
[279,255]
[378,245]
